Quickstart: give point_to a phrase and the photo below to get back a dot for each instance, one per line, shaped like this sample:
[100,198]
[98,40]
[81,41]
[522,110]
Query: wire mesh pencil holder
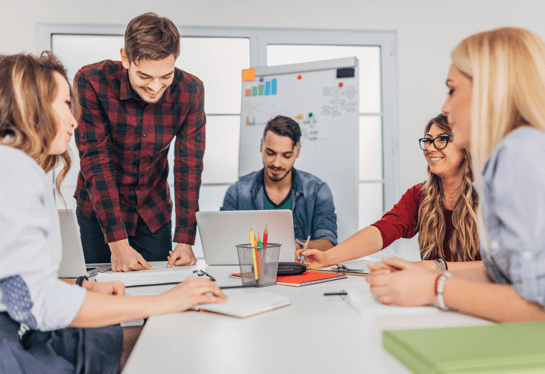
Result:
[258,265]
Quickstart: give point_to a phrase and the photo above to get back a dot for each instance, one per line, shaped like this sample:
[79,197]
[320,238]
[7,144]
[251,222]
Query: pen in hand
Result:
[306,246]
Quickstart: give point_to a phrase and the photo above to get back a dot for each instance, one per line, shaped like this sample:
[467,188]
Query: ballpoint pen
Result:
[304,249]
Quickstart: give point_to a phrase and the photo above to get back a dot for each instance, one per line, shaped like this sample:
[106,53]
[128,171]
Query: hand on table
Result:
[182,255]
[402,283]
[192,292]
[126,258]
[314,258]
[116,288]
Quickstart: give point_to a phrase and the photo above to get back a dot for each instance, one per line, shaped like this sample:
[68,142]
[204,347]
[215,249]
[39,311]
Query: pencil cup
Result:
[258,266]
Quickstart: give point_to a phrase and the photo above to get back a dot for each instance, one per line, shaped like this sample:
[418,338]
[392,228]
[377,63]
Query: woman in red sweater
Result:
[442,210]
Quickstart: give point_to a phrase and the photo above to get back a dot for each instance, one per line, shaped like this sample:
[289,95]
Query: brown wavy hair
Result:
[151,37]
[27,119]
[464,243]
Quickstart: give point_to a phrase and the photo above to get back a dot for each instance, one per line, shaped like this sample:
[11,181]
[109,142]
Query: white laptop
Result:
[73,262]
[221,231]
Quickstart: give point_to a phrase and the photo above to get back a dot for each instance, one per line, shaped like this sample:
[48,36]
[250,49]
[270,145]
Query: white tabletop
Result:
[316,334]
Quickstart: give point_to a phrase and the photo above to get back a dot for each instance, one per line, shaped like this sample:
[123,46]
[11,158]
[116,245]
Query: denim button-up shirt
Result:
[311,203]
[514,213]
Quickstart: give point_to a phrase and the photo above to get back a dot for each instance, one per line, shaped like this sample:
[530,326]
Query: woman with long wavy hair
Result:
[442,210]
[49,325]
[496,108]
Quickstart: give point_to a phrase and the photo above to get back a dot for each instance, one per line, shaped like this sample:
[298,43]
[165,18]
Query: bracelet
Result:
[445,264]
[79,280]
[438,264]
[439,287]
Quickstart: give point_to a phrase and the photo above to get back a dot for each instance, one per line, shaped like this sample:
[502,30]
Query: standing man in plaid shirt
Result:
[131,112]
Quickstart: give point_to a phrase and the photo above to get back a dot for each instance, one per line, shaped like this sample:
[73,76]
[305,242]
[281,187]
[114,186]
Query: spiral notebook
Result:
[305,279]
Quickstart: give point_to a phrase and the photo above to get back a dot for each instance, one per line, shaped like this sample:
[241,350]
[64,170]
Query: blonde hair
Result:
[432,228]
[27,120]
[507,69]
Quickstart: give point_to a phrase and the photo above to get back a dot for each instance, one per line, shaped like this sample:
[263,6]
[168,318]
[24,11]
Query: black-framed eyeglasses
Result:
[439,143]
[200,273]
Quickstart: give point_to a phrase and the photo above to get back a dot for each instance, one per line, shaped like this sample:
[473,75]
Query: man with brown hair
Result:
[131,111]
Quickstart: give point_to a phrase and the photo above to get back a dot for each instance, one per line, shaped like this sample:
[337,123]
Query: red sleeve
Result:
[402,220]
[188,166]
[94,145]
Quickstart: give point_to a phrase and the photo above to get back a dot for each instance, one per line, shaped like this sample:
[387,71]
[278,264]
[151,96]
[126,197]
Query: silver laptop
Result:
[73,262]
[221,231]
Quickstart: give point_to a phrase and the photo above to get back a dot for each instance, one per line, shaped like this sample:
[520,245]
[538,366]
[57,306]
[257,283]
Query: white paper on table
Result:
[365,302]
[243,305]
[147,277]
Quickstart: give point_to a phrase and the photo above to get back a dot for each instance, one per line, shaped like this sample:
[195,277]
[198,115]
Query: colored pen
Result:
[265,237]
[254,254]
[306,245]
[340,293]
[258,251]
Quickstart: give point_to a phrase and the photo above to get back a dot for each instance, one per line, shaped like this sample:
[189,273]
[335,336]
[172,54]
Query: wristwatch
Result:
[79,280]
[439,287]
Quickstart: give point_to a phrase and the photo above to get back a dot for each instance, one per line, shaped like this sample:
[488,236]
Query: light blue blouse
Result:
[30,247]
[514,213]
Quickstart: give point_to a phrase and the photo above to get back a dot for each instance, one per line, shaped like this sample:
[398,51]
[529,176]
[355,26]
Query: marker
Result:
[306,245]
[265,237]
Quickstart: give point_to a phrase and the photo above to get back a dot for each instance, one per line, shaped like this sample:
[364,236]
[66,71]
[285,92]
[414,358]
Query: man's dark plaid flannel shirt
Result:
[123,144]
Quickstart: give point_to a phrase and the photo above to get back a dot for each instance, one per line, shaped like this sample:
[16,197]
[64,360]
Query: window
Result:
[217,56]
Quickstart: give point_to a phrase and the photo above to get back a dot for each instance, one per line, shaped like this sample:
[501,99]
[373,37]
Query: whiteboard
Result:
[326,108]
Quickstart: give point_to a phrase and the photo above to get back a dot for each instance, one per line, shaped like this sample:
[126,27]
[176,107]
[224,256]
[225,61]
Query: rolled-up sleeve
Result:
[31,293]
[324,221]
[514,195]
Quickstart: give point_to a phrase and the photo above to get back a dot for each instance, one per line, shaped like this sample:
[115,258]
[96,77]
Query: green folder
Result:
[509,348]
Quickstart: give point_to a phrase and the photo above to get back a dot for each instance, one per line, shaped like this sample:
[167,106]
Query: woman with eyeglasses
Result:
[442,210]
[49,325]
[496,107]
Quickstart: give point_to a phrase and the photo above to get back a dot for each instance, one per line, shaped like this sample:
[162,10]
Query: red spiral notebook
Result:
[304,279]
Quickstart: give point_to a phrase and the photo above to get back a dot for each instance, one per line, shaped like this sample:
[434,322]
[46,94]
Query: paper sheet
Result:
[365,302]
[147,277]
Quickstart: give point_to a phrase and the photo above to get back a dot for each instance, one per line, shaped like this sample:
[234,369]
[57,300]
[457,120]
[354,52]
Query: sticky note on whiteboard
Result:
[248,74]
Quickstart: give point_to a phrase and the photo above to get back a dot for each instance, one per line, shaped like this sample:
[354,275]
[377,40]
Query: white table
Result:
[316,334]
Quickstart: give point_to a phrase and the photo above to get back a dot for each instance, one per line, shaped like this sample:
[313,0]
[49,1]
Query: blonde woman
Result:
[496,106]
[442,210]
[49,325]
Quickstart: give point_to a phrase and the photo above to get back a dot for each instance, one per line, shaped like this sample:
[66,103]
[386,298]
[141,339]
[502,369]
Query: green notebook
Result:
[505,349]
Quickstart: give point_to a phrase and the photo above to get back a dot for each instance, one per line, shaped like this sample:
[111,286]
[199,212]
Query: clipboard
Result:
[342,269]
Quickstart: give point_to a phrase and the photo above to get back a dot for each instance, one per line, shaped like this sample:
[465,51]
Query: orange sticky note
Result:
[248,74]
[248,92]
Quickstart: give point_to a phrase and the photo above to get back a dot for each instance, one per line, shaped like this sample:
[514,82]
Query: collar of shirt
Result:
[126,92]
[297,183]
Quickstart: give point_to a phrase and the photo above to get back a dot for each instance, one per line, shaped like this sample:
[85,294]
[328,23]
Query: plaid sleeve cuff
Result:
[114,233]
[184,236]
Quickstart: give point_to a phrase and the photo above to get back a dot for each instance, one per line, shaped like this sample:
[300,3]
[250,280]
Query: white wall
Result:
[427,30]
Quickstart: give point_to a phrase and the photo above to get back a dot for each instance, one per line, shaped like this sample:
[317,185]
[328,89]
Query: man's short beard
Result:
[280,179]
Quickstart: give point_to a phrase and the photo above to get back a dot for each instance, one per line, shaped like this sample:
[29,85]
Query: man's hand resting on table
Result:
[125,257]
[182,255]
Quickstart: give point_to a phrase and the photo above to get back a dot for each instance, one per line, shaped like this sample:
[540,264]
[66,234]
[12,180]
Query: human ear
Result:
[124,58]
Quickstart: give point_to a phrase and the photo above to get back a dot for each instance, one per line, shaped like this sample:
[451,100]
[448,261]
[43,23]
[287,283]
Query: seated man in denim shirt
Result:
[279,186]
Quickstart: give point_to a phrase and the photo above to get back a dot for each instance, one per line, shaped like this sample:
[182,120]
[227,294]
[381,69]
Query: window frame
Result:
[260,38]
